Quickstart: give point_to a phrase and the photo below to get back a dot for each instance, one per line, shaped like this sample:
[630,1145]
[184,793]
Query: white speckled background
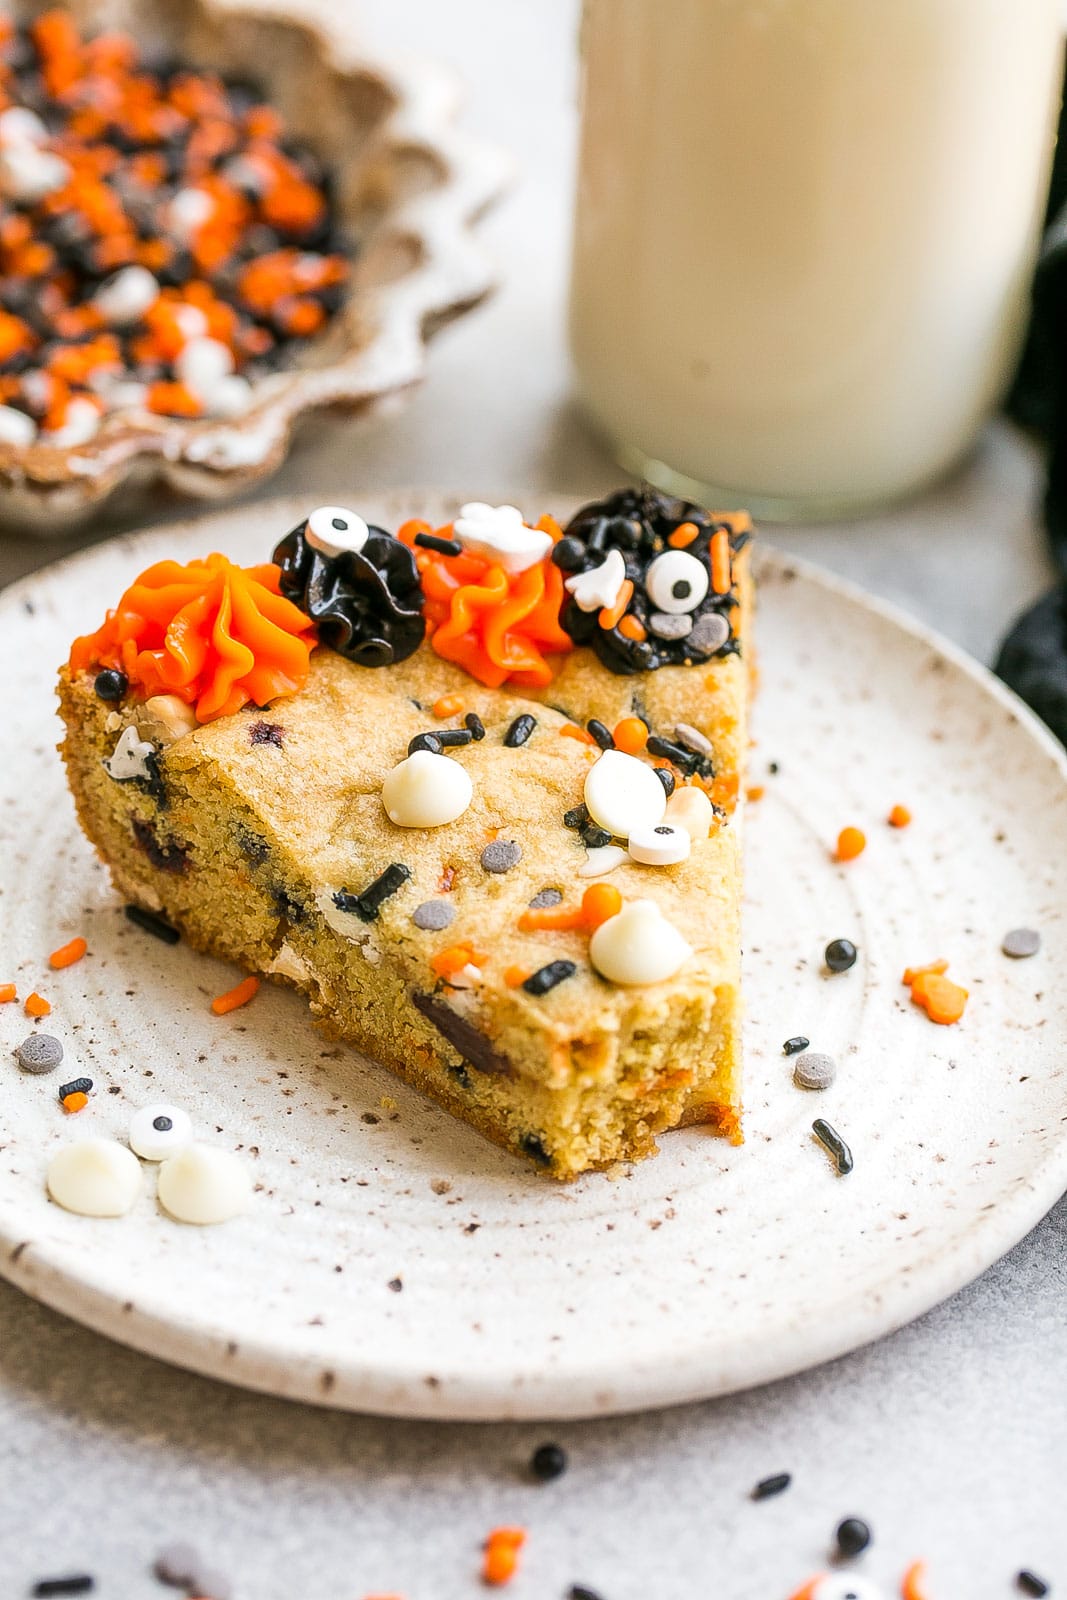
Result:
[948,1436]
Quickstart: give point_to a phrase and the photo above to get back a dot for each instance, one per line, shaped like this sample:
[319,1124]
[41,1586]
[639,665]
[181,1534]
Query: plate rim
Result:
[370,1385]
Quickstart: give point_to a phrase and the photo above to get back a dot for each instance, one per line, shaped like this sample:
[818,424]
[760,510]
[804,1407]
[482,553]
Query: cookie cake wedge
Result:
[473,789]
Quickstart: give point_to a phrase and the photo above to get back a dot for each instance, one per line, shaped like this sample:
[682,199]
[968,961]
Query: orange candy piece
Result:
[76,1101]
[502,1554]
[899,817]
[239,995]
[631,735]
[941,999]
[851,842]
[37,1005]
[8,992]
[216,635]
[68,954]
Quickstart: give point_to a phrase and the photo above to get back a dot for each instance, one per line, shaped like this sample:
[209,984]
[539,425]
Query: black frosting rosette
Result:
[368,601]
[676,615]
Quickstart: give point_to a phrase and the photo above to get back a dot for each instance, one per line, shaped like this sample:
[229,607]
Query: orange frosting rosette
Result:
[494,624]
[216,635]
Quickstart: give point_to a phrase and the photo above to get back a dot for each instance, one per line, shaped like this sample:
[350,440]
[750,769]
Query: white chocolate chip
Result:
[174,716]
[638,945]
[334,529]
[113,722]
[426,790]
[202,363]
[468,977]
[600,586]
[204,1185]
[229,397]
[126,296]
[95,1178]
[499,533]
[28,174]
[662,846]
[157,1132]
[16,427]
[622,793]
[690,808]
[289,963]
[129,759]
[81,421]
[601,859]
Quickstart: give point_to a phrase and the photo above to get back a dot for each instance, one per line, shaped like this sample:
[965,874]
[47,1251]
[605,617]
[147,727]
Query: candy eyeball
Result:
[676,582]
[157,1132]
[332,530]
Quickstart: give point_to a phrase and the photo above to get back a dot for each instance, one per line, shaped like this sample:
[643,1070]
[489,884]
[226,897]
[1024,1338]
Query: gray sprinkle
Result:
[501,855]
[813,1070]
[433,915]
[39,1053]
[692,738]
[546,897]
[670,625]
[1021,942]
[709,634]
[177,1565]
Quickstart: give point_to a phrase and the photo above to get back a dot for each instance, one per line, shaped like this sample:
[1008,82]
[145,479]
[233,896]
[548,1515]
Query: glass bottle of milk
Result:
[804,236]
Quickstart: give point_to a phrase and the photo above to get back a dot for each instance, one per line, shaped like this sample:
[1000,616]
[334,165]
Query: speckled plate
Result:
[393,1261]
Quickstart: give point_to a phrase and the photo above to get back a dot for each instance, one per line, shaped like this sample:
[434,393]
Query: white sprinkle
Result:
[39,388]
[499,533]
[662,846]
[188,211]
[192,323]
[202,363]
[690,808]
[601,859]
[28,174]
[80,423]
[426,790]
[600,586]
[95,1178]
[468,977]
[126,296]
[692,738]
[204,1185]
[622,793]
[229,397]
[129,759]
[638,945]
[333,529]
[156,1143]
[20,125]
[16,427]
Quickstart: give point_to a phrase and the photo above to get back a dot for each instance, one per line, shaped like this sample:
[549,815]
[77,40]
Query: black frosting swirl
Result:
[368,606]
[638,522]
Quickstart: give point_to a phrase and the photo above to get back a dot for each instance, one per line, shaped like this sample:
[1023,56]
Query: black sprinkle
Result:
[75,1086]
[593,836]
[110,684]
[853,1536]
[474,722]
[532,1145]
[576,817]
[82,1583]
[455,736]
[840,954]
[1030,1583]
[520,730]
[767,1488]
[601,733]
[796,1044]
[666,777]
[579,1591]
[153,784]
[267,733]
[150,923]
[444,547]
[773,768]
[548,1461]
[368,903]
[546,978]
[687,760]
[829,1137]
[546,897]
[395,1284]
[425,741]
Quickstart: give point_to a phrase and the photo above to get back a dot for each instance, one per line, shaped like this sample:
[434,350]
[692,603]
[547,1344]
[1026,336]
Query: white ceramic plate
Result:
[395,1262]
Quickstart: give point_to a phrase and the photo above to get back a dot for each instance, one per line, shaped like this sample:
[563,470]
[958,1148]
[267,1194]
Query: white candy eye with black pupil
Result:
[159,1131]
[333,529]
[676,582]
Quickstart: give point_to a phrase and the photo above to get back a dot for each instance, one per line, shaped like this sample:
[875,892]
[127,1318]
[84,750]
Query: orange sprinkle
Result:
[502,1554]
[68,954]
[851,842]
[755,792]
[239,995]
[913,1586]
[630,628]
[599,902]
[683,534]
[555,918]
[631,735]
[610,615]
[514,976]
[935,967]
[721,576]
[941,999]
[75,1102]
[571,730]
[449,705]
[446,963]
[899,817]
[37,1005]
[8,991]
